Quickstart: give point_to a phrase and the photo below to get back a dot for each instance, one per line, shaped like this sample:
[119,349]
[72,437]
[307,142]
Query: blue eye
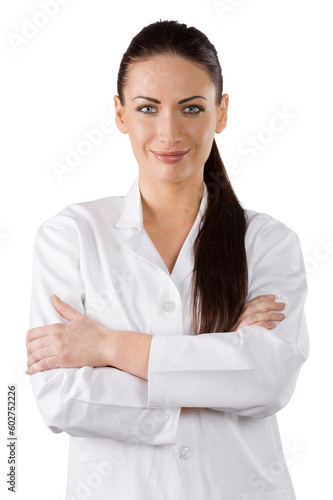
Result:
[199,109]
[193,106]
[144,112]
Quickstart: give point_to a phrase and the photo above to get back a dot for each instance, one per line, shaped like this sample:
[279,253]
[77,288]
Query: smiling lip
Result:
[170,156]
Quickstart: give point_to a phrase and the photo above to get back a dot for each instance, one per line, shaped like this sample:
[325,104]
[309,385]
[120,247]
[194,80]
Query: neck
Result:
[170,203]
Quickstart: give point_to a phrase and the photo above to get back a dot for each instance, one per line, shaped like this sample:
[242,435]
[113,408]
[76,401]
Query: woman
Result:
[159,361]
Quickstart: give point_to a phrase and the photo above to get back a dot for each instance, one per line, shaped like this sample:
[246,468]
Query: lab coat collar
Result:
[131,217]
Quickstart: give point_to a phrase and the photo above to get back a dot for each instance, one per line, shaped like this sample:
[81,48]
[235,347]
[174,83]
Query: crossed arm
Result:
[250,371]
[82,341]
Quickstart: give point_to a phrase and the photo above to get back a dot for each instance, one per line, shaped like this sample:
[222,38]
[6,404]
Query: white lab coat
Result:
[127,439]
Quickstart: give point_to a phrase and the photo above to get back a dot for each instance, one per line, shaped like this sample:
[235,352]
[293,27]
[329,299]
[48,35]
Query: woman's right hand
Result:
[260,311]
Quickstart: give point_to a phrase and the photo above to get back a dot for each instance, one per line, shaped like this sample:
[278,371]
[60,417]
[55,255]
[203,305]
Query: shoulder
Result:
[87,213]
[265,232]
[260,222]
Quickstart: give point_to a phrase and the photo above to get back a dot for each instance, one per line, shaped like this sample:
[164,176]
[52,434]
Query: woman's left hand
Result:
[78,342]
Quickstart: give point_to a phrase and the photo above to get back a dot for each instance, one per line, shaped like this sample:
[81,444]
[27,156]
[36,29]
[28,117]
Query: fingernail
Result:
[270,296]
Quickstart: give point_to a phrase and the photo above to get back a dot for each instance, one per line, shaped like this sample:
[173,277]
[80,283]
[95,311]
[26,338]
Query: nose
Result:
[168,129]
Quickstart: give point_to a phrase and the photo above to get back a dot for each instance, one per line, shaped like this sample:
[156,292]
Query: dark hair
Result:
[220,275]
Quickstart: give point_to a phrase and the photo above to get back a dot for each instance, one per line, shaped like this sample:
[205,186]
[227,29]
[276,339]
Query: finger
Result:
[261,303]
[268,326]
[257,303]
[43,364]
[264,306]
[263,317]
[65,310]
[270,316]
[38,332]
[40,354]
[38,344]
[271,305]
[261,298]
[277,306]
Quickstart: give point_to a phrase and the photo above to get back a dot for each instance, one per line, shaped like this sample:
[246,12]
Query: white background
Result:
[274,56]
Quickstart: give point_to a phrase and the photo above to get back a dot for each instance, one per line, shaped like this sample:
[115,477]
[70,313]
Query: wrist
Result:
[108,347]
[129,351]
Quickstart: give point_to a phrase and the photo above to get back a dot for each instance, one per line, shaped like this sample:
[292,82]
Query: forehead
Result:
[165,73]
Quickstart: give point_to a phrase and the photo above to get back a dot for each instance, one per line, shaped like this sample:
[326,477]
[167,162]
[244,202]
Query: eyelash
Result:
[191,106]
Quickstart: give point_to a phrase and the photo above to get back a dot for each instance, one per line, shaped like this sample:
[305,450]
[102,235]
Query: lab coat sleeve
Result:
[252,371]
[89,402]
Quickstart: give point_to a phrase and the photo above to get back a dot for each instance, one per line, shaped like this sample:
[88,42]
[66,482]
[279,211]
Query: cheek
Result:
[140,133]
[209,128]
[203,136]
[200,130]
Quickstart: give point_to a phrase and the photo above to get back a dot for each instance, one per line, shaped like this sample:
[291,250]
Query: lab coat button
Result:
[168,306]
[184,452]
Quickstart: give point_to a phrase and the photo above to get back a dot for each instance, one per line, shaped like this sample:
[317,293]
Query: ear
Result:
[119,114]
[222,114]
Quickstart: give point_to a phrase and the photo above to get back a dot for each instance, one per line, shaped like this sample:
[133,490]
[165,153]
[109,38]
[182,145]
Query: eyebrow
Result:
[179,102]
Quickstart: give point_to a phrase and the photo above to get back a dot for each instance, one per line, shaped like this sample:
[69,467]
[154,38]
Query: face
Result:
[157,121]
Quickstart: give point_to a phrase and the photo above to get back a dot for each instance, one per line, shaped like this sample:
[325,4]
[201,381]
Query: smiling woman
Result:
[171,195]
[159,358]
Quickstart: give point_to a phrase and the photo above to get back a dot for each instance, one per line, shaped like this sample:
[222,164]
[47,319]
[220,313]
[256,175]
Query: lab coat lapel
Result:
[140,243]
[185,261]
